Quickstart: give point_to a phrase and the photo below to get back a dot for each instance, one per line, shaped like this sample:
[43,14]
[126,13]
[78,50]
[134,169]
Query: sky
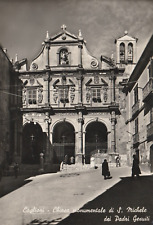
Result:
[23,23]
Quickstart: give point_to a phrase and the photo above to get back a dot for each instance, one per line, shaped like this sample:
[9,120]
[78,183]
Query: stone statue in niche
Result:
[64,57]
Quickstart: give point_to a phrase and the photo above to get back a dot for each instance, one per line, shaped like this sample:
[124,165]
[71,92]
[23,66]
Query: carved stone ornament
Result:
[72,94]
[24,96]
[105,95]
[34,66]
[55,95]
[88,95]
[96,79]
[32,80]
[40,95]
[64,36]
[94,63]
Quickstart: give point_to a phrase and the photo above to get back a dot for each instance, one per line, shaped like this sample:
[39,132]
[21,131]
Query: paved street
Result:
[55,196]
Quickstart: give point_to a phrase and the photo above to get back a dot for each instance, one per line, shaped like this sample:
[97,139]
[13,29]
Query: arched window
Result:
[122,52]
[63,57]
[130,52]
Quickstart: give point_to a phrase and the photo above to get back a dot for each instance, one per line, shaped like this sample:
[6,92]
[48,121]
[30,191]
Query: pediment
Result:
[127,38]
[32,82]
[96,81]
[64,36]
[63,82]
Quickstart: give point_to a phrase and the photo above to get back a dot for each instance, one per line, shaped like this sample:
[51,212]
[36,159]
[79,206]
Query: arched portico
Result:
[33,143]
[96,138]
[63,141]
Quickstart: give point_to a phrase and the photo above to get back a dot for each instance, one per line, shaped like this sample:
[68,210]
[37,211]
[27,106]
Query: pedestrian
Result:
[16,170]
[135,167]
[118,161]
[105,170]
[66,159]
[61,166]
[72,159]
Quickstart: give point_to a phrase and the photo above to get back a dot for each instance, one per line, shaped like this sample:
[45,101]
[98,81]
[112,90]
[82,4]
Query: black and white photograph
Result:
[76,112]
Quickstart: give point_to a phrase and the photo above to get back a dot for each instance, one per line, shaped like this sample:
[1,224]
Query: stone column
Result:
[112,86]
[84,146]
[80,78]
[113,132]
[47,80]
[79,140]
[48,144]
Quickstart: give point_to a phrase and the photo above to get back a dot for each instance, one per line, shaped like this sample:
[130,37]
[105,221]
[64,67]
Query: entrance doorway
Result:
[63,142]
[32,143]
[95,139]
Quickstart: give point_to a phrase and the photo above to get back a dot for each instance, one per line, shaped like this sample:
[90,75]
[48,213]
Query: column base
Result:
[79,158]
[112,156]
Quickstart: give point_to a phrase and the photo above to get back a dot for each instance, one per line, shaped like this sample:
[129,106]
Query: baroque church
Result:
[72,103]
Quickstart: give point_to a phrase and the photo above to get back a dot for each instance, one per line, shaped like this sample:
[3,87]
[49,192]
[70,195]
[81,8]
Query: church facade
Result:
[72,102]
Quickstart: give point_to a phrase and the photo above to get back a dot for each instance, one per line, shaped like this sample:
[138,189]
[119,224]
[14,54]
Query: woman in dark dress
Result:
[105,169]
[135,167]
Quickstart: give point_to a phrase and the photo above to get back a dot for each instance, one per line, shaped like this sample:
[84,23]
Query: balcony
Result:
[150,131]
[148,91]
[135,108]
[136,139]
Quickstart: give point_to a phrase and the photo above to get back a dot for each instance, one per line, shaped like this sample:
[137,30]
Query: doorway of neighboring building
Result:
[63,142]
[95,139]
[151,158]
[32,143]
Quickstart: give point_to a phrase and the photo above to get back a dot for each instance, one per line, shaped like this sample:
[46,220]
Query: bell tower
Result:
[126,50]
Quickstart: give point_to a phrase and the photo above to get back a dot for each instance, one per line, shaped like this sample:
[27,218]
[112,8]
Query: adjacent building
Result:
[139,117]
[10,117]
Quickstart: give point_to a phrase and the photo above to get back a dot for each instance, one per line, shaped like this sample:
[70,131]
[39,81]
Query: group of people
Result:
[135,167]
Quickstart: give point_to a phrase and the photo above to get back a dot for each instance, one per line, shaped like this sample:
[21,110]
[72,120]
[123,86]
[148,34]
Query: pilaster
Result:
[79,140]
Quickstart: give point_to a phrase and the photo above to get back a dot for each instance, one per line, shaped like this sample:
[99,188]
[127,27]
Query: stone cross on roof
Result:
[63,27]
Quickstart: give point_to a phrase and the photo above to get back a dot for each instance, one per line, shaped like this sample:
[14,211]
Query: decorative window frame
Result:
[68,88]
[38,88]
[95,84]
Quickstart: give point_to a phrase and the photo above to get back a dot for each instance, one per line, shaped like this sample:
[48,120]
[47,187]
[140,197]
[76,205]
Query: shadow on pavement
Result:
[128,202]
[9,184]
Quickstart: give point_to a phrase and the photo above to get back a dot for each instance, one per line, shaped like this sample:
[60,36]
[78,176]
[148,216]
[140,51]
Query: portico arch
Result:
[33,143]
[63,141]
[95,139]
